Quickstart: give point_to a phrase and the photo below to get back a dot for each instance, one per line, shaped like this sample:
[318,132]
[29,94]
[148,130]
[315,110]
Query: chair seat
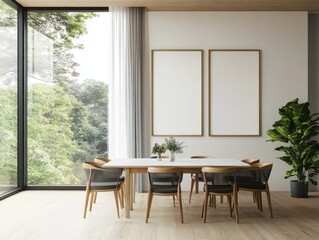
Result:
[164,189]
[251,185]
[220,188]
[104,185]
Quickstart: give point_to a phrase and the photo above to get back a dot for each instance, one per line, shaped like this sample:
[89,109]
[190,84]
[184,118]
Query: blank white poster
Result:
[234,92]
[177,92]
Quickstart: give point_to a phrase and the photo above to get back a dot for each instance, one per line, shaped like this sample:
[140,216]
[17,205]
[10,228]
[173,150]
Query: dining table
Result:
[187,165]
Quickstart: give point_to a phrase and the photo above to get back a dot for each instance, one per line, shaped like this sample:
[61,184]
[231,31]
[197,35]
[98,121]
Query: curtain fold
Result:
[126,73]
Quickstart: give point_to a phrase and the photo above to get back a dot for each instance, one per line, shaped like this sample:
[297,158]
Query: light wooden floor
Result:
[57,215]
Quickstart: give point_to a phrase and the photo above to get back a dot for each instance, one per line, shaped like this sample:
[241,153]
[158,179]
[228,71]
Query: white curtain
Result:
[126,73]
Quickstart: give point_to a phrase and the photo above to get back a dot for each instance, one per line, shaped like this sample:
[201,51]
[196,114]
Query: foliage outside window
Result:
[8,98]
[67,118]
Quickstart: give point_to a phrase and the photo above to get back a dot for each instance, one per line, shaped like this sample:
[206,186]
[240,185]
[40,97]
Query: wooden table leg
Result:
[127,192]
[134,187]
[132,190]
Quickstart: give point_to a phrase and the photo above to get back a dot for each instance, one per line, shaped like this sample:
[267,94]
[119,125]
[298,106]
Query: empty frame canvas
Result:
[234,92]
[177,92]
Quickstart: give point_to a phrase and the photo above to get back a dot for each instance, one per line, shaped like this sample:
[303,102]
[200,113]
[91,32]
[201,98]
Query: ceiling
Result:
[185,5]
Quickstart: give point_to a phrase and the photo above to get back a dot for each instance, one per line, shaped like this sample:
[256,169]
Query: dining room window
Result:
[67,94]
[8,98]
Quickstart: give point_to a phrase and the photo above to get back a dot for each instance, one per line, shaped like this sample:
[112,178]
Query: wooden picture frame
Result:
[234,92]
[177,92]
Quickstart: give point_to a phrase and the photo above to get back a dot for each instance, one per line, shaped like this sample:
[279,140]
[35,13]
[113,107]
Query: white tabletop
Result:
[179,162]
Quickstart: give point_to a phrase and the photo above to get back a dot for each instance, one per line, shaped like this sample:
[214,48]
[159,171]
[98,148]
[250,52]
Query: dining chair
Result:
[101,161]
[214,187]
[258,183]
[161,156]
[196,178]
[101,180]
[251,161]
[247,174]
[164,181]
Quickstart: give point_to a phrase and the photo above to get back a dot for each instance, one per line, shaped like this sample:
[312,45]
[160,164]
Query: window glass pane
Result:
[8,98]
[67,95]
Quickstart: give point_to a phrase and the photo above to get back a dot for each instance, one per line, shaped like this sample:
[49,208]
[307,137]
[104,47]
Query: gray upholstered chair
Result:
[214,187]
[258,183]
[196,178]
[164,181]
[101,161]
[245,175]
[101,180]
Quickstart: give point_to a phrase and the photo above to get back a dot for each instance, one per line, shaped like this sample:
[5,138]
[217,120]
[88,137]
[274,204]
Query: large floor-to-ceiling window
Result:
[67,114]
[8,97]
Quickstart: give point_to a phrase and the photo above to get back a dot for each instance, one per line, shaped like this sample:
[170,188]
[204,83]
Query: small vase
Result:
[159,158]
[172,157]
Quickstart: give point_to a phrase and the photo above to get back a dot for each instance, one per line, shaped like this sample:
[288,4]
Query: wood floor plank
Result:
[37,215]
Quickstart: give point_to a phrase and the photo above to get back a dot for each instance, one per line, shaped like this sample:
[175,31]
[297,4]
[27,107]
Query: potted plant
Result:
[297,127]
[158,150]
[174,147]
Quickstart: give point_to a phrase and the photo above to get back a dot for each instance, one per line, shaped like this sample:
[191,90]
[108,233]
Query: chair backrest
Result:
[101,160]
[251,160]
[94,173]
[215,175]
[201,157]
[261,171]
[165,175]
[161,156]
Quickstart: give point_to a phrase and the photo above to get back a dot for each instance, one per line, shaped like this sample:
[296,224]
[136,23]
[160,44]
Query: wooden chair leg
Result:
[149,204]
[229,203]
[196,186]
[260,201]
[91,200]
[119,195]
[95,196]
[122,194]
[254,197]
[180,203]
[235,202]
[257,200]
[269,202]
[87,195]
[221,199]
[214,201]
[116,202]
[191,191]
[205,206]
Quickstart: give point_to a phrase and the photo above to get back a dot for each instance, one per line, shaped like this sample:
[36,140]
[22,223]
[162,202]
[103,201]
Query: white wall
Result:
[282,37]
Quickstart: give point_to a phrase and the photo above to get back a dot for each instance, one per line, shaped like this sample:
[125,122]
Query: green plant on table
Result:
[173,146]
[159,149]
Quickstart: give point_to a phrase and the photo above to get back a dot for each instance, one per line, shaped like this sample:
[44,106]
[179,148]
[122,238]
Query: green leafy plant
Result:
[173,146]
[297,127]
[159,149]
